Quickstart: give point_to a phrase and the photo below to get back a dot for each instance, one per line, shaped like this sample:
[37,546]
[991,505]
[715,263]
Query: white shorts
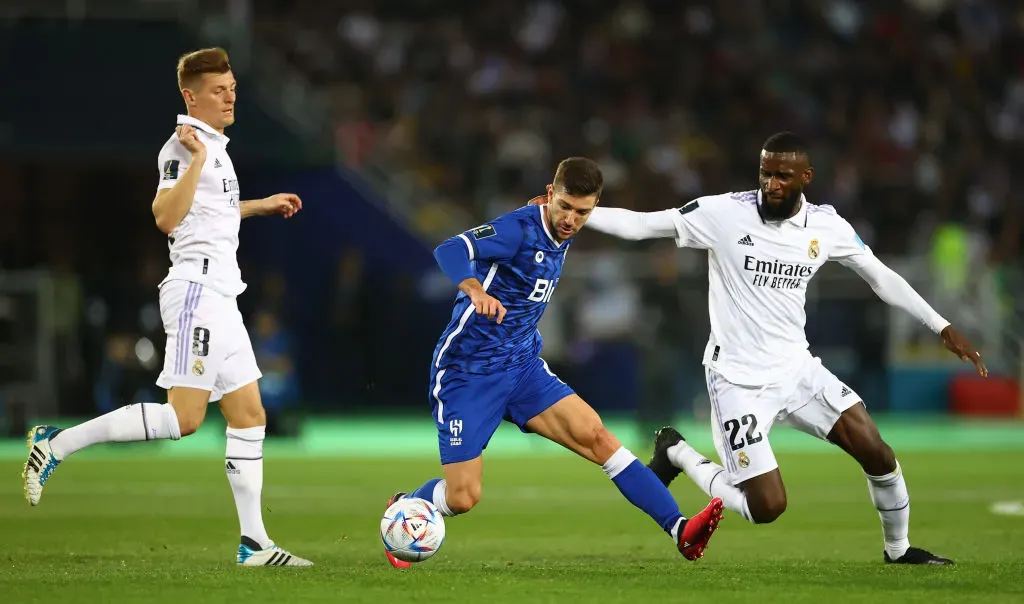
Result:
[811,400]
[208,346]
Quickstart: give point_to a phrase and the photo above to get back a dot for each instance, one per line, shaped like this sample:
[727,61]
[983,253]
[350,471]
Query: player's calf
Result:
[463,499]
[766,497]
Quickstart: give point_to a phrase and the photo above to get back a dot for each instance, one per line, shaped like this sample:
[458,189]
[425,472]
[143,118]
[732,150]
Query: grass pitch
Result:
[133,525]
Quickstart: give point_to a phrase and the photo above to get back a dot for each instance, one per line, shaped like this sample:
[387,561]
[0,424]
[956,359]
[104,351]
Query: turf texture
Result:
[135,524]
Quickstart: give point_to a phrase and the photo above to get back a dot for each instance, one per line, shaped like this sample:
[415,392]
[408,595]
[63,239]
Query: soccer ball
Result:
[412,529]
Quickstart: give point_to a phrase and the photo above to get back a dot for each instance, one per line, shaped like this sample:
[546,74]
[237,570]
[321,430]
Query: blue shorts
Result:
[469,407]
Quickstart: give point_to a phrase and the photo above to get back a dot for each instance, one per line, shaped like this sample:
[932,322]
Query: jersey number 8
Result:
[200,341]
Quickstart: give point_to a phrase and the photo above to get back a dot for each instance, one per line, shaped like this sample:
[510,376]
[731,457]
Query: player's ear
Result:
[550,192]
[189,96]
[808,175]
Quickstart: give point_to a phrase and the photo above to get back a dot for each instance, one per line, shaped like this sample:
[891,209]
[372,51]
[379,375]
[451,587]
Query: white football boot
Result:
[250,554]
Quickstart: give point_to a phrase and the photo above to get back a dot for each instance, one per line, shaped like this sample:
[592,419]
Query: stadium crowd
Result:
[915,108]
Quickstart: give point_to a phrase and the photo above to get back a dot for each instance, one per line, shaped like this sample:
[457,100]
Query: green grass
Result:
[146,528]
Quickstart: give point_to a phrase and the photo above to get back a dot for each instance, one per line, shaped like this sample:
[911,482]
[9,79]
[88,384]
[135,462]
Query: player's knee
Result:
[189,423]
[462,499]
[249,417]
[766,508]
[878,458]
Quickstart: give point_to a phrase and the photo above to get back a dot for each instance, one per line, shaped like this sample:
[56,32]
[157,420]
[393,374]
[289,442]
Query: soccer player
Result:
[763,248]
[208,357]
[486,366]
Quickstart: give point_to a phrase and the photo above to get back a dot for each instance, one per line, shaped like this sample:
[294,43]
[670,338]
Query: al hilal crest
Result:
[812,250]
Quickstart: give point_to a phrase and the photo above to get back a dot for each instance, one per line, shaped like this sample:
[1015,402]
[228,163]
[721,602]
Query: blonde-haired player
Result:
[208,357]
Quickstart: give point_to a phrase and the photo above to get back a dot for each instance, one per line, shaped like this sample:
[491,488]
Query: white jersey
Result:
[758,276]
[203,247]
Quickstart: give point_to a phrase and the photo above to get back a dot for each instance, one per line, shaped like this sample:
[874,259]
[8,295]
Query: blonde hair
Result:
[193,65]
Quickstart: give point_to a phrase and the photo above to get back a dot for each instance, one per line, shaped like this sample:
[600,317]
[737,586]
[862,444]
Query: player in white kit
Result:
[208,357]
[763,248]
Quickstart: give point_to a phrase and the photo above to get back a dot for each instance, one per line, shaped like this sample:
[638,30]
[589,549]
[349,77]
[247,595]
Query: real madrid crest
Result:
[812,250]
[197,367]
[744,460]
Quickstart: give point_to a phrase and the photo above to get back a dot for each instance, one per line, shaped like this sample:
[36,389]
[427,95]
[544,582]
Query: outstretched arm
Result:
[627,224]
[894,290]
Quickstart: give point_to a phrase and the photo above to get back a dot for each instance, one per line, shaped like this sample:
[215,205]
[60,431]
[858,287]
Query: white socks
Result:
[244,466]
[440,498]
[889,494]
[152,421]
[619,461]
[709,476]
[140,421]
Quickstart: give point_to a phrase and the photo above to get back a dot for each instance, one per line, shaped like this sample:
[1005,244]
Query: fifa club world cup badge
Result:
[744,460]
[812,250]
[197,367]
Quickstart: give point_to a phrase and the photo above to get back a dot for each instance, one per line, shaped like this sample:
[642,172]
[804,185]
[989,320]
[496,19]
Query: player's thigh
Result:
[237,383]
[467,409]
[820,400]
[741,419]
[192,355]
[243,408]
[545,405]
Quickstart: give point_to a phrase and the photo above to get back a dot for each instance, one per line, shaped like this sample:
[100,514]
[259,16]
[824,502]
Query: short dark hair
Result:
[786,142]
[192,65]
[579,177]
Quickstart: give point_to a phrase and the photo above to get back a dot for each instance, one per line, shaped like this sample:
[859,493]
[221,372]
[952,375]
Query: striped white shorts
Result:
[811,399]
[208,346]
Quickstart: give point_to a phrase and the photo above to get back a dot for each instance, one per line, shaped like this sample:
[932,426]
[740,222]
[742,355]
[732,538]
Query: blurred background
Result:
[401,123]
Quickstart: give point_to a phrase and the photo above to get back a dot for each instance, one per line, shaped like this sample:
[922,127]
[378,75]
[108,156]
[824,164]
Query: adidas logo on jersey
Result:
[846,392]
[746,241]
[216,163]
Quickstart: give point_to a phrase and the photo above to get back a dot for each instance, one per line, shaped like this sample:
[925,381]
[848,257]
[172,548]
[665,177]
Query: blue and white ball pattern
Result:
[412,529]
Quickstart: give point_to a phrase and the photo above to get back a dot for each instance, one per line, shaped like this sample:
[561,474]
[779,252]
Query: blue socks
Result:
[636,481]
[427,490]
[643,489]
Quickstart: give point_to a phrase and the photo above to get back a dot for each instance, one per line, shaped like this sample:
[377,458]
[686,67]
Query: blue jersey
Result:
[519,262]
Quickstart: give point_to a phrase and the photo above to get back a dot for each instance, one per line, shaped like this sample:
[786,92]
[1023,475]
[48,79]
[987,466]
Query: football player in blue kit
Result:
[487,366]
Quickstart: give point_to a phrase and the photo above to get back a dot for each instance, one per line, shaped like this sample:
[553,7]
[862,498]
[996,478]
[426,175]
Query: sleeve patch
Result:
[483,232]
[693,205]
[171,169]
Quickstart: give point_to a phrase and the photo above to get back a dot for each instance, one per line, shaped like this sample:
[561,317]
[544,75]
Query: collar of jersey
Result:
[799,219]
[544,224]
[191,121]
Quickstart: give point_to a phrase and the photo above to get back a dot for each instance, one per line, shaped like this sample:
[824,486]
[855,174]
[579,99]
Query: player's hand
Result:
[189,138]
[959,345]
[285,204]
[488,306]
